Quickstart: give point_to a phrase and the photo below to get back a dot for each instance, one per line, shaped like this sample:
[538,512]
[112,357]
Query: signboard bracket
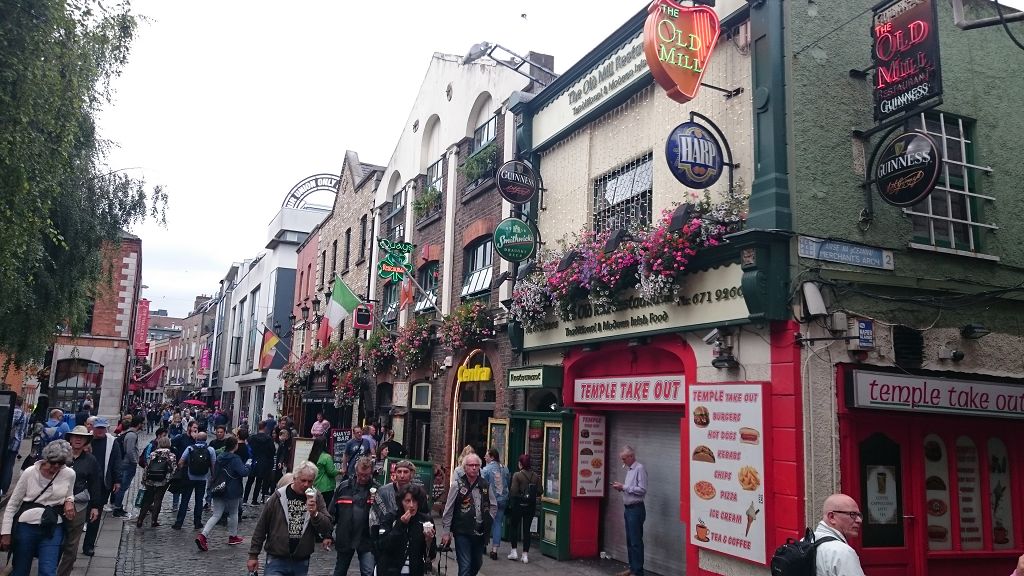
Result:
[728,93]
[721,135]
[898,120]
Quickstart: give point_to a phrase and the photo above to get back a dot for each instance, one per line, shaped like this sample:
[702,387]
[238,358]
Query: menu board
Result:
[727,469]
[339,436]
[999,495]
[968,480]
[301,447]
[552,462]
[936,485]
[882,495]
[591,462]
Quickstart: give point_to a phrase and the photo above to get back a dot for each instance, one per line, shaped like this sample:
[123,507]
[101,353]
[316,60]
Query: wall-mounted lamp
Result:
[950,354]
[526,270]
[974,331]
[617,238]
[682,216]
[305,313]
[567,260]
[316,306]
[501,278]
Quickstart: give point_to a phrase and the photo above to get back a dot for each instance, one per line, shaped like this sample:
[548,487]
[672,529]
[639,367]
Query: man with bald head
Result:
[840,519]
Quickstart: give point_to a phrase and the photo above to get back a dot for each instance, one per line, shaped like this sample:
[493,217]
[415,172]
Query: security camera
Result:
[814,304]
[712,337]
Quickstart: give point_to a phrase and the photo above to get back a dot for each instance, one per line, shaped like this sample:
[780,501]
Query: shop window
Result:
[965,472]
[477,392]
[73,380]
[949,219]
[479,262]
[881,483]
[428,276]
[421,396]
[622,197]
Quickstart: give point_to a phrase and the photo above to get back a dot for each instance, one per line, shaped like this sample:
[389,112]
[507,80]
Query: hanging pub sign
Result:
[514,240]
[694,155]
[905,56]
[678,40]
[517,182]
[362,318]
[395,264]
[907,168]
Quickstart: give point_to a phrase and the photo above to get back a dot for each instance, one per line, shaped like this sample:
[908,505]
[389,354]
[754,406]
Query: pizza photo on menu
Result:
[704,490]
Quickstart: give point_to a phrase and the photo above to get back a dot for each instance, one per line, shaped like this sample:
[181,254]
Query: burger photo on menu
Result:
[701,417]
[703,454]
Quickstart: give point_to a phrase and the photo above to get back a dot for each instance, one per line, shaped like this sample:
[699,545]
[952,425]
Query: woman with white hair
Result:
[32,514]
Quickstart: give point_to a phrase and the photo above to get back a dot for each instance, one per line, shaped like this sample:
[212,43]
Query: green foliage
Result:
[426,201]
[478,164]
[59,203]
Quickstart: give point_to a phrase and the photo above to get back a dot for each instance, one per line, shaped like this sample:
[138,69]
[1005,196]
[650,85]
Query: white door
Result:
[655,437]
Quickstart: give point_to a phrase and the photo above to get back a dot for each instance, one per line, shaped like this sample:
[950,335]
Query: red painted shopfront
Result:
[935,461]
[595,512]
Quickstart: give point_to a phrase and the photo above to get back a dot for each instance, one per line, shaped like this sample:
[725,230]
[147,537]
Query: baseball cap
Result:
[100,423]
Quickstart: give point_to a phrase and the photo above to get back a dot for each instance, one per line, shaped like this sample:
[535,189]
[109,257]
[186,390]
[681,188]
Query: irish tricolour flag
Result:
[343,303]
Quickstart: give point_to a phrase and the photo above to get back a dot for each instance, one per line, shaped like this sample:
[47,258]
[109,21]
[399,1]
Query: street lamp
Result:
[305,313]
[316,306]
[486,49]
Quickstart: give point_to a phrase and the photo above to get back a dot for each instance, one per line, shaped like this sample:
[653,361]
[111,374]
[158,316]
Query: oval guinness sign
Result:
[694,155]
[907,169]
[517,182]
[514,240]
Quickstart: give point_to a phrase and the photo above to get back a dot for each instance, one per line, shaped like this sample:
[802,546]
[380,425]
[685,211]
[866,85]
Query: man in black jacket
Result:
[88,490]
[263,450]
[351,510]
[108,461]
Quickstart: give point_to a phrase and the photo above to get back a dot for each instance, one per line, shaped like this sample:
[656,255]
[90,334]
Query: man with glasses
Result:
[841,520]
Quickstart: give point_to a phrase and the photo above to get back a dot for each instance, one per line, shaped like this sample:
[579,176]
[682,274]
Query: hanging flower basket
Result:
[346,389]
[290,375]
[344,355]
[414,343]
[467,326]
[379,351]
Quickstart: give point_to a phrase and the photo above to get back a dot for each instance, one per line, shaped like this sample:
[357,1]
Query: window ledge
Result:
[479,188]
[360,261]
[428,220]
[954,252]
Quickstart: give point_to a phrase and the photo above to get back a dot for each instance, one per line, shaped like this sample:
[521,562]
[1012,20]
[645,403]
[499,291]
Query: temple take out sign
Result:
[678,40]
[661,390]
[939,395]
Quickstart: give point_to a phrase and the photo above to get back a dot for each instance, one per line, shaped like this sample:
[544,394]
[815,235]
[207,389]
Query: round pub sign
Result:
[694,155]
[517,182]
[514,240]
[907,169]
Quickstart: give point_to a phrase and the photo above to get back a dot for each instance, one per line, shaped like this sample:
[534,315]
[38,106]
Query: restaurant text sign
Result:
[941,395]
[727,469]
[662,390]
[905,55]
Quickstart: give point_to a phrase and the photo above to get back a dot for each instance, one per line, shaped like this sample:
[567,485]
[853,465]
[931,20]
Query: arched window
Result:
[428,276]
[478,264]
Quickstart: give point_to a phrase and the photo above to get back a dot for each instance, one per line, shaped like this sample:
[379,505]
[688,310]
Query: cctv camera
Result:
[711,337]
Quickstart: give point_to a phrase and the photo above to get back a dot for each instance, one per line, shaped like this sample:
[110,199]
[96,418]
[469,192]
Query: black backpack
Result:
[529,499]
[796,557]
[199,461]
[159,469]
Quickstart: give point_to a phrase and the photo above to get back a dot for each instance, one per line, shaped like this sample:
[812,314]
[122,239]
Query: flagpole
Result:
[279,342]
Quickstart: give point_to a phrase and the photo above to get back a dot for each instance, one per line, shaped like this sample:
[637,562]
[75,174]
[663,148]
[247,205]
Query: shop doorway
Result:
[74,379]
[655,437]
[940,495]
[418,435]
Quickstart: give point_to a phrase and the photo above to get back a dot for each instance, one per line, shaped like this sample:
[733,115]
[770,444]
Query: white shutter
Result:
[655,437]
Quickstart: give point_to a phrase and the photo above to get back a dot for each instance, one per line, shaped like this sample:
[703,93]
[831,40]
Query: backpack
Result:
[144,455]
[50,434]
[159,469]
[199,461]
[529,499]
[796,557]
[119,444]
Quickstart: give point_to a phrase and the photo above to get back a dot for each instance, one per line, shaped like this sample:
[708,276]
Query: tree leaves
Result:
[59,203]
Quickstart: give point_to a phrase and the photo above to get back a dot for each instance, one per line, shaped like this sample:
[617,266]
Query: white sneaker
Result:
[513,555]
[526,558]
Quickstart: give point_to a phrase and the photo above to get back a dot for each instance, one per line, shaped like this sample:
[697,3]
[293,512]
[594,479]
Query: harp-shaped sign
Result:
[678,40]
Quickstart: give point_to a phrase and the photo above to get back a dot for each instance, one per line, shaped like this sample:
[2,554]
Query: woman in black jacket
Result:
[284,455]
[409,538]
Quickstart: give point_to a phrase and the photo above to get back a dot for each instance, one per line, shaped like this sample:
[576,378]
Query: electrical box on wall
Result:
[864,331]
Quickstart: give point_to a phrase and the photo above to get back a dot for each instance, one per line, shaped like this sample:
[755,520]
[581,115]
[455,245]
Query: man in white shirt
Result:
[840,519]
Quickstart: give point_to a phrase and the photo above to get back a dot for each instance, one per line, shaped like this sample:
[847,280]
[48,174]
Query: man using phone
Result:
[293,519]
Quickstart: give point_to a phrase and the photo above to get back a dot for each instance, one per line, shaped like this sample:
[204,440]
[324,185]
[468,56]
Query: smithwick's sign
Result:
[694,155]
[517,182]
[662,390]
[677,43]
[905,55]
[907,169]
[514,240]
[939,395]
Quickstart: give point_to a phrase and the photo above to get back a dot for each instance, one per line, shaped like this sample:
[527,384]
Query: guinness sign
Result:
[694,155]
[517,182]
[907,169]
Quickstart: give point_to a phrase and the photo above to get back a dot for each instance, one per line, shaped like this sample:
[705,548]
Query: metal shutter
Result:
[655,437]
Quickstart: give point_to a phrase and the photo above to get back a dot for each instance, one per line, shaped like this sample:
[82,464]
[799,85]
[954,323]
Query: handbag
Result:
[218,488]
[139,496]
[178,481]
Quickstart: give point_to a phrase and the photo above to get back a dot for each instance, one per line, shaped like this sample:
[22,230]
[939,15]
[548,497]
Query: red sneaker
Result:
[232,540]
[201,543]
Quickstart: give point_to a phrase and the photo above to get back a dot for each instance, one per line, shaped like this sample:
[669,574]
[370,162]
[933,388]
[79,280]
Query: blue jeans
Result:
[29,542]
[127,475]
[366,562]
[635,514]
[496,528]
[469,553]
[199,486]
[280,566]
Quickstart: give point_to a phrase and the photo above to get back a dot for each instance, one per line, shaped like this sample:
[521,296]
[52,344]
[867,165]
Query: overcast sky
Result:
[228,104]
